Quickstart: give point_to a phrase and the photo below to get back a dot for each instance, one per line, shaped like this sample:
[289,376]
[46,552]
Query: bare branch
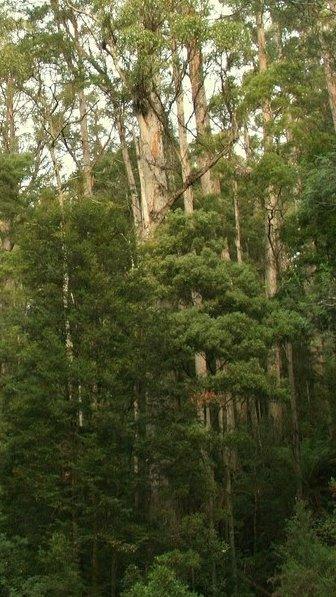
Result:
[160,216]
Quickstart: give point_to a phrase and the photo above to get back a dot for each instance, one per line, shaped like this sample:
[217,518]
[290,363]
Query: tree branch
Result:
[160,215]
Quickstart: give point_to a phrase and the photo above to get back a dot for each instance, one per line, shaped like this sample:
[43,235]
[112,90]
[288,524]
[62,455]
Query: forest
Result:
[167,298]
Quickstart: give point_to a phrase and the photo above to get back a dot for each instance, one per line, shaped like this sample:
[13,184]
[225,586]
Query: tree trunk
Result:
[87,169]
[5,230]
[200,366]
[188,195]
[247,142]
[228,492]
[210,184]
[10,138]
[329,71]
[83,114]
[144,205]
[295,419]
[135,202]
[153,162]
[201,371]
[237,222]
[9,146]
[271,222]
[272,208]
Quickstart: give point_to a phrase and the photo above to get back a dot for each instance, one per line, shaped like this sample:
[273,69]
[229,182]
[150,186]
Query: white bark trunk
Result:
[201,369]
[153,160]
[135,202]
[87,168]
[210,183]
[144,205]
[10,138]
[83,114]
[188,195]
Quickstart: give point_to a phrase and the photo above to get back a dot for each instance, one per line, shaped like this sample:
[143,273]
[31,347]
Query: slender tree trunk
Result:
[144,204]
[330,75]
[271,223]
[136,461]
[201,369]
[272,208]
[210,183]
[135,201]
[10,138]
[9,142]
[295,419]
[83,114]
[10,147]
[188,195]
[230,417]
[227,422]
[237,222]
[247,142]
[87,169]
[227,460]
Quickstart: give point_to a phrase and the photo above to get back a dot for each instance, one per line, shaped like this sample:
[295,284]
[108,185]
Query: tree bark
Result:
[237,222]
[87,169]
[10,138]
[227,460]
[144,205]
[271,221]
[209,183]
[153,160]
[188,195]
[200,367]
[10,147]
[83,114]
[329,61]
[272,208]
[295,419]
[331,83]
[135,201]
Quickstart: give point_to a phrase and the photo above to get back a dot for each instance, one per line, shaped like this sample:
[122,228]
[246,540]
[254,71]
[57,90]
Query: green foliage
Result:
[123,469]
[309,563]
[13,564]
[60,574]
[12,170]
[162,582]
